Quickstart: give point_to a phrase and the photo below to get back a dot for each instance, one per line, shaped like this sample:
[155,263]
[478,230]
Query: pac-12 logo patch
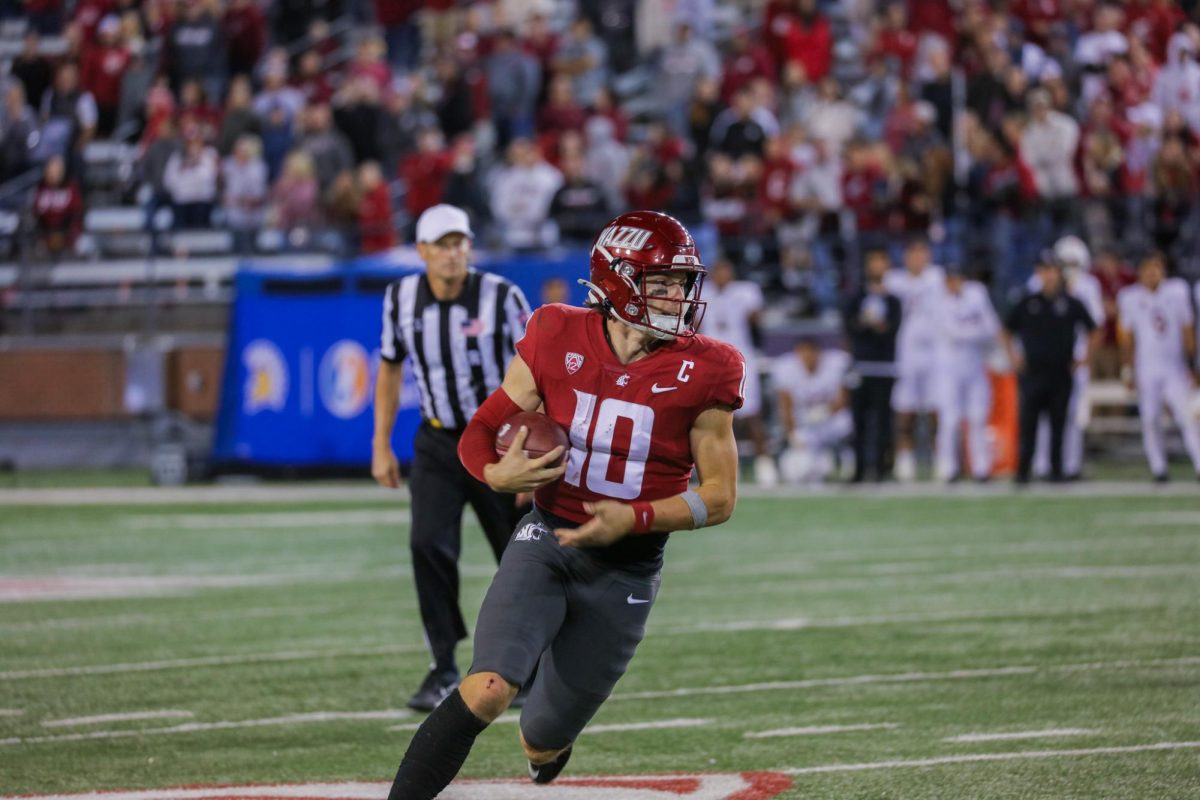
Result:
[266,386]
[345,379]
[574,361]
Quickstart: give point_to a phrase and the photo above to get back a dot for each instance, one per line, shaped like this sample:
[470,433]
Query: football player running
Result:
[645,399]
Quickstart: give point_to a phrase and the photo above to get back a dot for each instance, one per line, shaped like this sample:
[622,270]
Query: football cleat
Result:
[436,687]
[544,773]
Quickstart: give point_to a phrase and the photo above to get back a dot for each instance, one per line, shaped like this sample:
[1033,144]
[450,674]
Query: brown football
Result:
[544,435]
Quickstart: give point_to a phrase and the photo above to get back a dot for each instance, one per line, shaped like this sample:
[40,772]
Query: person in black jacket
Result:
[1047,323]
[872,318]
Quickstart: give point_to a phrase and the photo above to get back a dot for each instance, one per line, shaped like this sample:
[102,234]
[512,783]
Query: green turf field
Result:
[817,637]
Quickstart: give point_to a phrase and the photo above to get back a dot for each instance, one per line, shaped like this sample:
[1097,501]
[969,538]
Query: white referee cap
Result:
[436,221]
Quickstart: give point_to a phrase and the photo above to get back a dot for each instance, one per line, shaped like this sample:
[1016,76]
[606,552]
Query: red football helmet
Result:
[633,247]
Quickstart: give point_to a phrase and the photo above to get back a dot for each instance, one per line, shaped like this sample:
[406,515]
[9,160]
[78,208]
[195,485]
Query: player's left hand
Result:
[610,521]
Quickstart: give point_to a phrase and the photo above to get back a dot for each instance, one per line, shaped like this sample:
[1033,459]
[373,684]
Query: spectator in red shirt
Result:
[312,81]
[894,42]
[245,28]
[104,63]
[561,112]
[88,14]
[866,193]
[375,231]
[1154,22]
[605,105]
[808,39]
[195,112]
[424,172]
[540,41]
[369,61]
[747,60]
[775,188]
[57,208]
[1113,275]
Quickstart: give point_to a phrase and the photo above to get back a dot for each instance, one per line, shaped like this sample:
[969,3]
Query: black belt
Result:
[435,424]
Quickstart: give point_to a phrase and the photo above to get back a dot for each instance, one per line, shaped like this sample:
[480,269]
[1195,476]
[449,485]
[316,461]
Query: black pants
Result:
[440,487]
[1045,391]
[871,406]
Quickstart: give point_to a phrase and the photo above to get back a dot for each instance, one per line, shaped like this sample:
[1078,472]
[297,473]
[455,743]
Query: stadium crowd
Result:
[797,137]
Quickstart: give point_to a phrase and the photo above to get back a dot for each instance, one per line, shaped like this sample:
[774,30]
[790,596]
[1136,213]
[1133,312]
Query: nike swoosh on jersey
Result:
[633,601]
[660,389]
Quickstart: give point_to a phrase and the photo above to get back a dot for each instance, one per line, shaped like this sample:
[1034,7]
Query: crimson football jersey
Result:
[629,424]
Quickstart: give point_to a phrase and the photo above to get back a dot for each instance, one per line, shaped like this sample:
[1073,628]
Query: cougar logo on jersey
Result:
[624,236]
[573,361]
[530,533]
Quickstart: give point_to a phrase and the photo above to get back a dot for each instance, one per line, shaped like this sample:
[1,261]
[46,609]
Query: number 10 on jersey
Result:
[589,461]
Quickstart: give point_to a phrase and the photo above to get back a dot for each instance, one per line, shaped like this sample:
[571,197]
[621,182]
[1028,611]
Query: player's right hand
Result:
[515,473]
[384,467]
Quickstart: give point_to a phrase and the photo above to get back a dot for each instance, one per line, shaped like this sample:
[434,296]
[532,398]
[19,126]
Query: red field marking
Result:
[714,786]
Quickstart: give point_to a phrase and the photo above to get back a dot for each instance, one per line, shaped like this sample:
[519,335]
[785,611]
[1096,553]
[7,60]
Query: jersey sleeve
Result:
[543,325]
[730,387]
[391,343]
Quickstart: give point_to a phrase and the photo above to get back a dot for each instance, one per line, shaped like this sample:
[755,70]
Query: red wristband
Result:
[643,516]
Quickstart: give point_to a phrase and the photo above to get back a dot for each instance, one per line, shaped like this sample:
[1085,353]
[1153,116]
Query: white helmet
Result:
[1072,253]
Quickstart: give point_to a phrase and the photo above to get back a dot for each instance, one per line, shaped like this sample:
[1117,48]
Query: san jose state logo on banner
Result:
[266,386]
[345,379]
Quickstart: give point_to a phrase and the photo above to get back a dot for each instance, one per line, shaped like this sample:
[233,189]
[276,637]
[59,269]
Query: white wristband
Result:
[696,506]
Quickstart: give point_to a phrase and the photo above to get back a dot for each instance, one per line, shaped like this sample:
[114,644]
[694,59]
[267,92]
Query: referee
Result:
[459,327]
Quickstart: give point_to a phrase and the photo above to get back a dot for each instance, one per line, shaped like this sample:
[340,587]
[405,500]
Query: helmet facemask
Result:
[638,313]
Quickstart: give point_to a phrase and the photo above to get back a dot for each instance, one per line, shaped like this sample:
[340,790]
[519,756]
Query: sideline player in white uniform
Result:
[1158,344]
[968,332]
[1075,259]
[814,410]
[731,316]
[919,286]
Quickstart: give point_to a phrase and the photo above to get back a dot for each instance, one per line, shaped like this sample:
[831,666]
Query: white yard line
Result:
[820,730]
[1153,518]
[968,759]
[207,661]
[785,582]
[131,716]
[284,520]
[1049,733]
[617,727]
[363,491]
[905,677]
[804,623]
[203,727]
[115,620]
[359,492]
[11,712]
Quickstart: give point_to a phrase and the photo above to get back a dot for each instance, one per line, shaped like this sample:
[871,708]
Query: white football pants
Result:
[964,394]
[1174,386]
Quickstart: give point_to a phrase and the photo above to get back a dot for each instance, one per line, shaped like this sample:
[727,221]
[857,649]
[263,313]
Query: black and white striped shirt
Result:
[459,348]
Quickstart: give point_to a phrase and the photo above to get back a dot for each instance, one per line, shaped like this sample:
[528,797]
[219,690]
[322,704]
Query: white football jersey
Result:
[811,389]
[920,297]
[1156,319]
[968,324]
[727,314]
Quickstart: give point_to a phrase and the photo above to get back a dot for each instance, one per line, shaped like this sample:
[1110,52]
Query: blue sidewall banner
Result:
[302,355]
